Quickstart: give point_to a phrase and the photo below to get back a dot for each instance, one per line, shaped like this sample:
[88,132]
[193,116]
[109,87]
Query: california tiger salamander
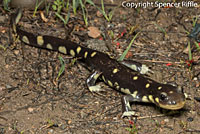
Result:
[135,86]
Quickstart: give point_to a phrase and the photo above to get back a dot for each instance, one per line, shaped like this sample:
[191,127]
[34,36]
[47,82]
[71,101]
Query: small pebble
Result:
[166,120]
[69,121]
[30,109]
[190,119]
[6,66]
[195,78]
[16,52]
[8,86]
[99,14]
[63,127]
[51,131]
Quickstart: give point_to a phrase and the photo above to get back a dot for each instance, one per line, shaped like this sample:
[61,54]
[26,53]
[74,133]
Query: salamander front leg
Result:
[136,66]
[126,107]
[91,82]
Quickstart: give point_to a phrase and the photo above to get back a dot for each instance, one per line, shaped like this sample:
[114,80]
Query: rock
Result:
[31,4]
[94,32]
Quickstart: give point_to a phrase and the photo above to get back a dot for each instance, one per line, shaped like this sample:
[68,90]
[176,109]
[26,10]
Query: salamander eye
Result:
[163,96]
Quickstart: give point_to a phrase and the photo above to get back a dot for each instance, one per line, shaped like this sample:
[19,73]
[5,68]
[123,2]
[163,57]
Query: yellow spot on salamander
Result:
[72,53]
[126,90]
[147,85]
[96,76]
[78,50]
[93,54]
[157,100]
[103,78]
[171,92]
[145,99]
[49,46]
[85,54]
[134,94]
[151,98]
[115,70]
[159,88]
[25,39]
[110,83]
[40,40]
[116,85]
[62,49]
[135,77]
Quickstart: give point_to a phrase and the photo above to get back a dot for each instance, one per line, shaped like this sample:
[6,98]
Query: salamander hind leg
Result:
[91,82]
[137,66]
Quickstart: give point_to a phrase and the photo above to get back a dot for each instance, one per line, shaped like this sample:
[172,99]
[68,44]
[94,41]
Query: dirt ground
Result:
[34,101]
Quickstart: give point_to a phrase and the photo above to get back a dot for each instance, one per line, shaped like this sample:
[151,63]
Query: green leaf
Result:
[197,45]
[190,55]
[62,68]
[90,2]
[67,17]
[189,51]
[60,17]
[74,6]
[127,49]
[54,7]
[84,13]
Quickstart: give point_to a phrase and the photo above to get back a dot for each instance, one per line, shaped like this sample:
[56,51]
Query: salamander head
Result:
[169,97]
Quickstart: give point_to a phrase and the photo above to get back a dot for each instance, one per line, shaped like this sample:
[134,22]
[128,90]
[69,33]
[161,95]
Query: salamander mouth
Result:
[173,107]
